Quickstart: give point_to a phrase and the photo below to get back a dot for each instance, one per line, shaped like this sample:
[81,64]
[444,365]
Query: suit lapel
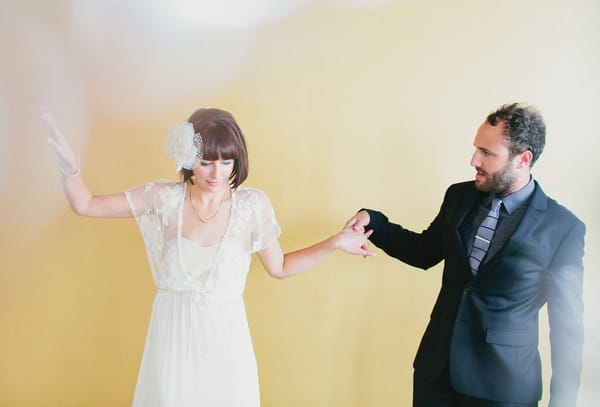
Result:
[466,202]
[532,215]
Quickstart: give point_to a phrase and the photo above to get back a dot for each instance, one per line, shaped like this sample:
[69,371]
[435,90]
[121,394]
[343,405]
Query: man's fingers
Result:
[351,223]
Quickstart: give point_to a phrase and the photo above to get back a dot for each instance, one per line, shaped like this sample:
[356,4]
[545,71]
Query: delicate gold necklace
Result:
[206,220]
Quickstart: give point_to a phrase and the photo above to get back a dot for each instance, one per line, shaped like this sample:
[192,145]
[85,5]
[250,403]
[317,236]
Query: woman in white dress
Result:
[199,235]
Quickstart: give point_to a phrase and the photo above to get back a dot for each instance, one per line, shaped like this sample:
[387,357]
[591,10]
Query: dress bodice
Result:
[180,264]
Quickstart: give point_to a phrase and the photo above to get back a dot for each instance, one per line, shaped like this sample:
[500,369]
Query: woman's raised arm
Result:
[80,198]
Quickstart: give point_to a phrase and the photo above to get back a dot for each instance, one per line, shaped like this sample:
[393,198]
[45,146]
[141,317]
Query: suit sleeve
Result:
[565,314]
[422,250]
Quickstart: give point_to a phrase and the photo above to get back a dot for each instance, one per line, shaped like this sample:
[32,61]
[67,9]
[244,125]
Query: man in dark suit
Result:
[481,345]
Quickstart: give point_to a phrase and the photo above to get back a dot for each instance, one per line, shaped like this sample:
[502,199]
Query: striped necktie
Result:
[484,235]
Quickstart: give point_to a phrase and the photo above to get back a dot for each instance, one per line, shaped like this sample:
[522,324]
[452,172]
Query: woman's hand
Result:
[67,159]
[80,198]
[353,241]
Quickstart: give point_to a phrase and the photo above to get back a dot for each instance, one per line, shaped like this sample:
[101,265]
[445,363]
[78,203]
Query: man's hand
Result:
[358,222]
[354,242]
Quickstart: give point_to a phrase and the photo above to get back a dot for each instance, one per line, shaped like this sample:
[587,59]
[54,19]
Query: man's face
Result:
[496,172]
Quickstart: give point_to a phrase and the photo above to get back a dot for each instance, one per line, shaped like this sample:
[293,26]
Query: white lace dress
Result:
[198,350]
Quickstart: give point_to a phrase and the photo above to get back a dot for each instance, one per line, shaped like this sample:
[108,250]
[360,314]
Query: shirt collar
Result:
[517,199]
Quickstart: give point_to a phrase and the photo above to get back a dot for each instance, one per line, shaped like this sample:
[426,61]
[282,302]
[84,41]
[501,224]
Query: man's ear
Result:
[524,159]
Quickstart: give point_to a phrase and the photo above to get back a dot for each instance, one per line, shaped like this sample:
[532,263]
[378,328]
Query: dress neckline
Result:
[217,246]
[180,220]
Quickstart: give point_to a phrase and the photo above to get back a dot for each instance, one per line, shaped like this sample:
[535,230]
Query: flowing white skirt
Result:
[198,353]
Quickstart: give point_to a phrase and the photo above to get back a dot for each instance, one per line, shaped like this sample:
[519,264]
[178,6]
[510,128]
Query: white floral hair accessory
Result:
[184,146]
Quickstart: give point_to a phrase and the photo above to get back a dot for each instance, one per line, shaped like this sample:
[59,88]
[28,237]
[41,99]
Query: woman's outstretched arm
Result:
[81,200]
[280,265]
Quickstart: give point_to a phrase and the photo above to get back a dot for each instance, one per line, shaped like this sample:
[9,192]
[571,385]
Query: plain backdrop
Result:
[344,104]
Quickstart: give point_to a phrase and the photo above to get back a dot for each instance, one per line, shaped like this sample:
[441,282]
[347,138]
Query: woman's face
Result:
[213,175]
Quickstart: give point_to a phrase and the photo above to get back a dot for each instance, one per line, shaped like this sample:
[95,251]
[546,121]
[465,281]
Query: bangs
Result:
[218,142]
[222,139]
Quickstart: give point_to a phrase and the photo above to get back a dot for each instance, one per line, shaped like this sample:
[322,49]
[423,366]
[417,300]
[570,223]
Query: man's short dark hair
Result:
[524,128]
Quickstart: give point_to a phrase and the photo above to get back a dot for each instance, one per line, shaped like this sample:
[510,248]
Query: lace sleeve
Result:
[144,203]
[155,202]
[154,206]
[142,199]
[266,229]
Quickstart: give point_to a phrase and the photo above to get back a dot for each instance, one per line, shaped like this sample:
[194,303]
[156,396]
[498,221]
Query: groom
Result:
[502,263]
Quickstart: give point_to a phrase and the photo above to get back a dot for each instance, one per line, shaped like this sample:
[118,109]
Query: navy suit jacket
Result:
[485,327]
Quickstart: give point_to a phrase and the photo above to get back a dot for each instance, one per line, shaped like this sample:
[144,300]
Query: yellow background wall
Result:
[344,104]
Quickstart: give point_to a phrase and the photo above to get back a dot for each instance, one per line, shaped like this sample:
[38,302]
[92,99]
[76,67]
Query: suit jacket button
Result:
[469,288]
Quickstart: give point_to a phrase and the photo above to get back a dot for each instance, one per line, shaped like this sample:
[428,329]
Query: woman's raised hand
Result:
[68,162]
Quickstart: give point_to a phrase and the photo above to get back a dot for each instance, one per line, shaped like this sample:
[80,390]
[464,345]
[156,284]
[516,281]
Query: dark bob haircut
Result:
[222,139]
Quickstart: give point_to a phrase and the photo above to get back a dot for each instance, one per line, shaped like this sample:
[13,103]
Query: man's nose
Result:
[475,160]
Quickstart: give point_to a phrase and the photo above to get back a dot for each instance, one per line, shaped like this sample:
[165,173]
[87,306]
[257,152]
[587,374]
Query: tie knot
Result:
[496,203]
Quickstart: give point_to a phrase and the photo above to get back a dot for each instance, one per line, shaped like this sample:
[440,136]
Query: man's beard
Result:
[498,183]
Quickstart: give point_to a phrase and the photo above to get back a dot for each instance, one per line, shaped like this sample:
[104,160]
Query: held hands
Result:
[353,238]
[68,162]
[354,242]
[358,222]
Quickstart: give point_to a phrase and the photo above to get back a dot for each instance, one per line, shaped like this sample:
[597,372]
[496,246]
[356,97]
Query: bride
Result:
[199,234]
